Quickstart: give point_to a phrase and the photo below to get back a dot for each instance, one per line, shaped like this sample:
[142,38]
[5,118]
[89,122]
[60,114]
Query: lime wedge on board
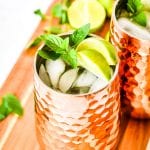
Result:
[86,11]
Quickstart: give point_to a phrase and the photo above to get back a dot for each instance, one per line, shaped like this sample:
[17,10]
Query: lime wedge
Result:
[82,12]
[95,63]
[102,46]
[108,5]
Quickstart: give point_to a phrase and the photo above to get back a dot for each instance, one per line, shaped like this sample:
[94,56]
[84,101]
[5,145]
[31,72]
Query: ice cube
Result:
[85,79]
[98,84]
[55,68]
[134,29]
[67,79]
[44,75]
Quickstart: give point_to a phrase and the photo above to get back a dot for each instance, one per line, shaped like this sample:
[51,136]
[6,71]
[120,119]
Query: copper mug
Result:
[134,70]
[76,122]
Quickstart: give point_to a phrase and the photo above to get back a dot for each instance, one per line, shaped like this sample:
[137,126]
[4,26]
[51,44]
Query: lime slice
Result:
[108,5]
[102,46]
[95,63]
[82,12]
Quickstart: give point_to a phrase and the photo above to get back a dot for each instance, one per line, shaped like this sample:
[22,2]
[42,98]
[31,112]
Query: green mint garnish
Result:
[140,18]
[70,57]
[10,104]
[54,42]
[39,13]
[46,53]
[60,11]
[134,7]
[79,34]
[63,47]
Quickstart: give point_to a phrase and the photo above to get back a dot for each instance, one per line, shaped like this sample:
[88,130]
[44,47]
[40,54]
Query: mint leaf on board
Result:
[134,6]
[60,11]
[79,35]
[35,42]
[70,58]
[10,104]
[57,10]
[64,17]
[39,13]
[140,18]
[53,30]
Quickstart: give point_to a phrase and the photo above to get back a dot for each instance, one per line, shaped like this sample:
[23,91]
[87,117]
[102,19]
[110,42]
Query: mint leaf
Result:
[65,43]
[79,34]
[58,47]
[13,104]
[134,6]
[39,13]
[48,54]
[53,30]
[2,116]
[140,18]
[59,11]
[64,17]
[35,42]
[70,58]
[10,104]
[54,42]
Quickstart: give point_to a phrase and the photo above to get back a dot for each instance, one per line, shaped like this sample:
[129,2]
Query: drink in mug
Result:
[130,34]
[76,103]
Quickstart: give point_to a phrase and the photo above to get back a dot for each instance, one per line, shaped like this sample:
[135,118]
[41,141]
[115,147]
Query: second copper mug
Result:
[134,53]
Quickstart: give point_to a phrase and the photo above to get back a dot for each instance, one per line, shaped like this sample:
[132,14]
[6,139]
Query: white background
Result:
[17,23]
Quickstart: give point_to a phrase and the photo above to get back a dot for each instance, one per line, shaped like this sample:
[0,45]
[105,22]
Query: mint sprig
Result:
[64,47]
[79,34]
[140,18]
[10,104]
[135,8]
[40,13]
[35,42]
[60,11]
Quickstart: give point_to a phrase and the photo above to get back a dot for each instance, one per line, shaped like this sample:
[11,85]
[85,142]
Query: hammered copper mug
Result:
[134,69]
[76,122]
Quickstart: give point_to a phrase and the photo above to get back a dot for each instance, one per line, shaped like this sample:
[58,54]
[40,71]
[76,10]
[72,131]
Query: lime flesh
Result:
[102,46]
[86,11]
[95,63]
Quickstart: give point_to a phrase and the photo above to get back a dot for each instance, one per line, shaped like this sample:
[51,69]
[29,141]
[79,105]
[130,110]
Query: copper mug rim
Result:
[66,94]
[121,29]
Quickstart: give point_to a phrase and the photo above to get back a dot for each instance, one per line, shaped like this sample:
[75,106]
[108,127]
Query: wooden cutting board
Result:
[19,133]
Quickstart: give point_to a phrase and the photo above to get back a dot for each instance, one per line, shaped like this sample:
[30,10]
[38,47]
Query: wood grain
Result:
[19,133]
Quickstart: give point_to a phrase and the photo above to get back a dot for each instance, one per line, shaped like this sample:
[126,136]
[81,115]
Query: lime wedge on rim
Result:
[102,46]
[82,12]
[94,62]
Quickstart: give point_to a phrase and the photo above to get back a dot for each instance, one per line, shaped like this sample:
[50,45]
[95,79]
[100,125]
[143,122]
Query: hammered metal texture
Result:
[71,122]
[134,70]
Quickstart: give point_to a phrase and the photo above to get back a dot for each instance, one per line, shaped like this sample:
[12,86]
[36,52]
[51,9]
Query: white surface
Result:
[17,23]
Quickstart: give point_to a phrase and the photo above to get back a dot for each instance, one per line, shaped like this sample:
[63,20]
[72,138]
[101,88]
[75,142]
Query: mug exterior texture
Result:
[134,68]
